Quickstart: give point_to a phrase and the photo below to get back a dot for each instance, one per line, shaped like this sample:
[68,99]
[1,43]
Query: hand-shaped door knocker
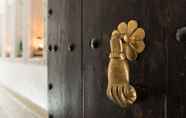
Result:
[126,42]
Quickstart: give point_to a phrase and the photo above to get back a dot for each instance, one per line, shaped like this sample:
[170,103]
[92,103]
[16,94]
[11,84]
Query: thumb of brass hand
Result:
[119,90]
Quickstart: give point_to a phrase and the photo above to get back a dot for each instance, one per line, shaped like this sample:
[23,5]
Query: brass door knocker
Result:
[126,43]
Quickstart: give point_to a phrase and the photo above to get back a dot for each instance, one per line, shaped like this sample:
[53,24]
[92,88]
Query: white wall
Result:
[25,78]
[28,80]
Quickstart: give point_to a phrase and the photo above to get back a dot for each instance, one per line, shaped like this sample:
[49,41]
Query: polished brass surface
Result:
[126,43]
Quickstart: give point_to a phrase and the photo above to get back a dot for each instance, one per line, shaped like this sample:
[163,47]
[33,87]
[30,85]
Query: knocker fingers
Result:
[114,93]
[117,96]
[110,94]
[122,95]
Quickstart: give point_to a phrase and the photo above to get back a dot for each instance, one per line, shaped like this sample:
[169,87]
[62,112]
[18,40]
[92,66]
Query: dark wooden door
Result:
[78,50]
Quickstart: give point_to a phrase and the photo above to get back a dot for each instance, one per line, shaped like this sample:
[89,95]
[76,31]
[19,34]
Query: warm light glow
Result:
[37,45]
[7,51]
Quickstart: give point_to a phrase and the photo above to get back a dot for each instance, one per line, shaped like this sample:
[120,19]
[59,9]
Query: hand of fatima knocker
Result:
[126,43]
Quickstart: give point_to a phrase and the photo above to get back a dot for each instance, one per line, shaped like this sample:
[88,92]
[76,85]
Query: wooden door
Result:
[78,49]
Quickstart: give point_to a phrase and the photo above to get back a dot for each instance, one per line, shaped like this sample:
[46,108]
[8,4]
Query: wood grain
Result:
[100,17]
[79,77]
[64,66]
[176,60]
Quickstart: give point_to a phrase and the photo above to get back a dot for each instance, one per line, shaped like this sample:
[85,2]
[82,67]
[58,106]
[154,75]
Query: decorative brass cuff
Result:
[126,43]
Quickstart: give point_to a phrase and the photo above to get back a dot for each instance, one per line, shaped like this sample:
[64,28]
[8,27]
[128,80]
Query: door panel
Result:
[64,59]
[78,40]
[176,60]
[100,17]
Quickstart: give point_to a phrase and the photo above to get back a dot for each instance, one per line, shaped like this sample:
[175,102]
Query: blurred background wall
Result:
[23,66]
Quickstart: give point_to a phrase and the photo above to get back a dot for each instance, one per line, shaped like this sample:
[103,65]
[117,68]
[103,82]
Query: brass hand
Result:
[126,43]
